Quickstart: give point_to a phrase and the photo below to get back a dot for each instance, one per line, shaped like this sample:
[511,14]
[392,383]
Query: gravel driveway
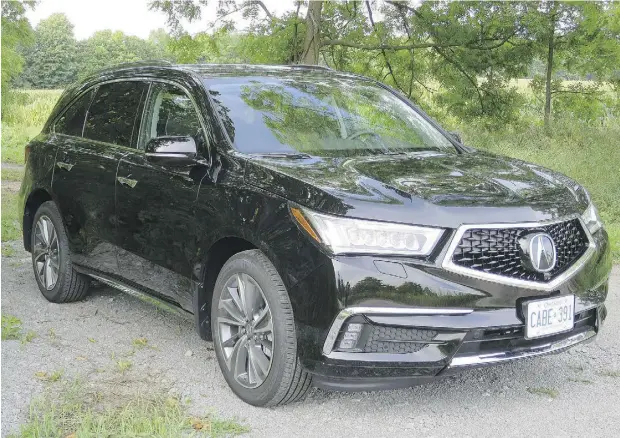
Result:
[573,394]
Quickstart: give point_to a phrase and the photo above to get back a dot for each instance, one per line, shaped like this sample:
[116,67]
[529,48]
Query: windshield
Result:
[320,116]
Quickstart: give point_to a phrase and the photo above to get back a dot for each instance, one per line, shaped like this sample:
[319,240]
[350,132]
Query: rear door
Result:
[86,162]
[158,237]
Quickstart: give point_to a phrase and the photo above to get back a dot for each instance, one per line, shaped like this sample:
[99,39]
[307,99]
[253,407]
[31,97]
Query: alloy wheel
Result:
[45,252]
[245,329]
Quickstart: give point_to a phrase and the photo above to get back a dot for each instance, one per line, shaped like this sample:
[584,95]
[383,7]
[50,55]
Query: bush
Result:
[23,115]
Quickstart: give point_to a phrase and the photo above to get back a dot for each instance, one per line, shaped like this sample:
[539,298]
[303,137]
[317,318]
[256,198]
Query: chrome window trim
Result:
[348,312]
[450,266]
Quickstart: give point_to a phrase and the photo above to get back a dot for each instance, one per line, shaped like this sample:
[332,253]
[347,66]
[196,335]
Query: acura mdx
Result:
[320,227]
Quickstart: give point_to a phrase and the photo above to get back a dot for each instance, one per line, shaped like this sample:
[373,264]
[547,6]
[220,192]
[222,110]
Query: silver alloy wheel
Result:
[45,252]
[246,330]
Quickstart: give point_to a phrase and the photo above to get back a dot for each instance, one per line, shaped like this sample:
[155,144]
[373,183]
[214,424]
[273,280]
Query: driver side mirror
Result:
[457,136]
[172,149]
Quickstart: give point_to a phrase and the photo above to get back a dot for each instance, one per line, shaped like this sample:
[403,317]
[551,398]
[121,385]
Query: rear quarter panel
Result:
[38,172]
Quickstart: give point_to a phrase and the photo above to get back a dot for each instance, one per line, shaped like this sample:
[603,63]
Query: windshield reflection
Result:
[337,117]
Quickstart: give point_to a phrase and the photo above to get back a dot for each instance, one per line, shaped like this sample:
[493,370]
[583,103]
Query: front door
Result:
[156,199]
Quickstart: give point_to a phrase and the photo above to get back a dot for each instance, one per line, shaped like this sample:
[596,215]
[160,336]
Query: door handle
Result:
[65,166]
[127,182]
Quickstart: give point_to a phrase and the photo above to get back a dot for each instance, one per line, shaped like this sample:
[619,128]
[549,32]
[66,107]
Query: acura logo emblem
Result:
[538,252]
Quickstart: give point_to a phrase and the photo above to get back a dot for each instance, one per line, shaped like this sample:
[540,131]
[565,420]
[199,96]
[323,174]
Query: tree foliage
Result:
[16,32]
[56,59]
[464,55]
[51,60]
[461,57]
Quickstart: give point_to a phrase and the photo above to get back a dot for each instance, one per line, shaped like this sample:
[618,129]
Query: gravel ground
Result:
[86,339]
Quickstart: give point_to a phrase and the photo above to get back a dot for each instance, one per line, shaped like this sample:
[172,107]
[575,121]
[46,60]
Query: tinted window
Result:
[326,116]
[72,121]
[170,113]
[114,114]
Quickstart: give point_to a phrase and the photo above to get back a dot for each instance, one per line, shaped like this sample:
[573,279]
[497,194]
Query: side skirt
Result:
[142,295]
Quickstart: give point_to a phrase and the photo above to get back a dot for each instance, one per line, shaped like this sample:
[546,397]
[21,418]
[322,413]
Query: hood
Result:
[460,186]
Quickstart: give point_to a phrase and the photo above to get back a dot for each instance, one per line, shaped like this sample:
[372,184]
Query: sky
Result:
[129,16]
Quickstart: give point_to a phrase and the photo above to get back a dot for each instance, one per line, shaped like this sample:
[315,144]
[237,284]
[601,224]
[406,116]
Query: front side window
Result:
[114,114]
[332,116]
[72,120]
[169,113]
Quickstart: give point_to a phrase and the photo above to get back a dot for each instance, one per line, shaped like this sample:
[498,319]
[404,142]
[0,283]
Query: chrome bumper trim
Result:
[449,265]
[539,350]
[351,311]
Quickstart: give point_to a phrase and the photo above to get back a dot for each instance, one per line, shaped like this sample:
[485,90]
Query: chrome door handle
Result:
[127,182]
[65,166]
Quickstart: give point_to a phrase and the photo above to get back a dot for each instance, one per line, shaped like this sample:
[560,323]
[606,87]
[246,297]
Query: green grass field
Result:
[588,153]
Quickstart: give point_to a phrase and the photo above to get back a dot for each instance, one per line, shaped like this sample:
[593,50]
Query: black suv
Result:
[319,226]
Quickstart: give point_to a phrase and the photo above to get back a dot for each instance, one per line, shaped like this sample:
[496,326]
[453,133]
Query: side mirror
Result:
[457,136]
[172,149]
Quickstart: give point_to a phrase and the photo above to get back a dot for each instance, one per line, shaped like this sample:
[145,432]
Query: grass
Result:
[584,381]
[29,336]
[547,392]
[8,251]
[123,365]
[11,229]
[23,115]
[55,376]
[11,327]
[610,373]
[10,174]
[78,413]
[140,343]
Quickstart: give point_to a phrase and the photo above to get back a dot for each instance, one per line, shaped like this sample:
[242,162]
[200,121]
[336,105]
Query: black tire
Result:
[286,381]
[70,285]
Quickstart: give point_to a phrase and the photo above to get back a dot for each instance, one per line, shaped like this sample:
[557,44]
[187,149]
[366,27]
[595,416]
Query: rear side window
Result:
[72,121]
[114,114]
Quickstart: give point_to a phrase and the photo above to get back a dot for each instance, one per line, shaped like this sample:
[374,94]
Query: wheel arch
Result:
[33,202]
[217,254]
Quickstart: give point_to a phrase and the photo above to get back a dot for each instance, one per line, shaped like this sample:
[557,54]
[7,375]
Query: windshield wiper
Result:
[412,150]
[393,153]
[293,155]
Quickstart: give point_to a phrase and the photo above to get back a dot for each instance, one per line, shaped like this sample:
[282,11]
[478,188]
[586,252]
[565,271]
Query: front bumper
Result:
[459,341]
[439,321]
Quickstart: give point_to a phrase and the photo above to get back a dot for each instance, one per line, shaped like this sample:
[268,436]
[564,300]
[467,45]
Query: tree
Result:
[16,34]
[106,48]
[51,60]
[579,37]
[341,34]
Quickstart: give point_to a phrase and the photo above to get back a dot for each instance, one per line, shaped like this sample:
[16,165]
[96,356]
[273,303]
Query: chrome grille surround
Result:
[546,285]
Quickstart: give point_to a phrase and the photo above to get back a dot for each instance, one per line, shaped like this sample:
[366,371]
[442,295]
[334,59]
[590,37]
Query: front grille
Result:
[497,250]
[386,339]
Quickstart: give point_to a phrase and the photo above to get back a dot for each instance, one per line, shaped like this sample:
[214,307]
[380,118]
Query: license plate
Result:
[549,316]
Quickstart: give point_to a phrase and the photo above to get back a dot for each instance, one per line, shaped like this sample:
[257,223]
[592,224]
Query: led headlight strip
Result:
[341,235]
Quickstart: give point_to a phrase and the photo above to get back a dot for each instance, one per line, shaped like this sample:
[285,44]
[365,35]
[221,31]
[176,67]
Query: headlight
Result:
[592,219]
[356,236]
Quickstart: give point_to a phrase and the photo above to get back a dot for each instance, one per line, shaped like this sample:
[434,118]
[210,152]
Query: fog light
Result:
[350,336]
[354,328]
[347,344]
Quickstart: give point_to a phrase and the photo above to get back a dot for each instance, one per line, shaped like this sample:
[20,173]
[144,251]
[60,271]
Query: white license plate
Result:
[549,316]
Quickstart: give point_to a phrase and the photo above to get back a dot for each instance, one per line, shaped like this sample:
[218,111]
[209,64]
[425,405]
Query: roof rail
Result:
[144,63]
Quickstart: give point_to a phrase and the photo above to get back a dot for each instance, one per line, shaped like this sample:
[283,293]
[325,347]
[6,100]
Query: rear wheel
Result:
[51,258]
[254,332]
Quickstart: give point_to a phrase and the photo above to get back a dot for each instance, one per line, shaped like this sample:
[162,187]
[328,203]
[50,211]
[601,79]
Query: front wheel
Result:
[254,332]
